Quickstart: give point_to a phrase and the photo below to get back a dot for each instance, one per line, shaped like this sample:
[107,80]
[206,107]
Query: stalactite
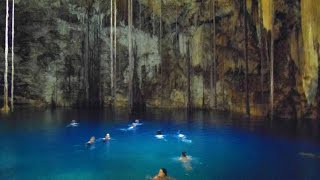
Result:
[140,28]
[259,33]
[188,77]
[223,84]
[153,24]
[249,6]
[297,35]
[86,58]
[5,95]
[204,67]
[246,58]
[111,52]
[267,14]
[101,103]
[213,69]
[267,49]
[96,60]
[235,75]
[160,52]
[240,68]
[131,58]
[140,20]
[12,56]
[55,84]
[212,56]
[177,33]
[115,48]
[271,62]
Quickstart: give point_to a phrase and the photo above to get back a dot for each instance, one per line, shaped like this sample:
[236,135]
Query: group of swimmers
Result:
[107,137]
[162,174]
[93,139]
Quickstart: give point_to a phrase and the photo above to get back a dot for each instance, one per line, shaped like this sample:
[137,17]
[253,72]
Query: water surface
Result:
[38,145]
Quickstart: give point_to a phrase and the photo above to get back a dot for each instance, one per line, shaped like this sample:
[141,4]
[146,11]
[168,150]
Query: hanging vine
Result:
[5,95]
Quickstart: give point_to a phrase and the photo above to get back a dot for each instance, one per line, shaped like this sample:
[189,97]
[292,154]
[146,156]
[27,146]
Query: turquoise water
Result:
[38,145]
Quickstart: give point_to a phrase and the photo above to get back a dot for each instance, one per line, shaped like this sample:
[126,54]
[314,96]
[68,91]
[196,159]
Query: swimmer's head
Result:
[162,172]
[73,121]
[107,137]
[159,132]
[136,121]
[92,139]
[184,154]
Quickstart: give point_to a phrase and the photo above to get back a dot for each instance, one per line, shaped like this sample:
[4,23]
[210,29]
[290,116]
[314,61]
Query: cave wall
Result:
[62,54]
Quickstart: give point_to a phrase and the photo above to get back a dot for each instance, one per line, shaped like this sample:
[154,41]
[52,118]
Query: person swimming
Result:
[185,159]
[162,175]
[91,141]
[107,137]
[133,125]
[130,128]
[73,124]
[181,136]
[137,122]
[159,135]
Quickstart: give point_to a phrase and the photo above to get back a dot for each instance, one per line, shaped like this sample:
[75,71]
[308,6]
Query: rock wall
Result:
[62,54]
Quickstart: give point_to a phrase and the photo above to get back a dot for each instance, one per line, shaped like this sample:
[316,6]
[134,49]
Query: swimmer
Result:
[130,128]
[133,125]
[107,137]
[159,135]
[162,175]
[73,124]
[137,122]
[184,157]
[182,136]
[186,161]
[91,141]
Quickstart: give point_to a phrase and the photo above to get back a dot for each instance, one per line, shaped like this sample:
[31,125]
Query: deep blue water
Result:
[38,145]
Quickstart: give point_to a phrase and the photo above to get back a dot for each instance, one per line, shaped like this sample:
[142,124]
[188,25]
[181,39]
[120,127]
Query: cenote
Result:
[220,89]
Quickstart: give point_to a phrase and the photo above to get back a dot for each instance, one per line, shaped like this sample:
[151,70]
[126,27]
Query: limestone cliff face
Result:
[63,54]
